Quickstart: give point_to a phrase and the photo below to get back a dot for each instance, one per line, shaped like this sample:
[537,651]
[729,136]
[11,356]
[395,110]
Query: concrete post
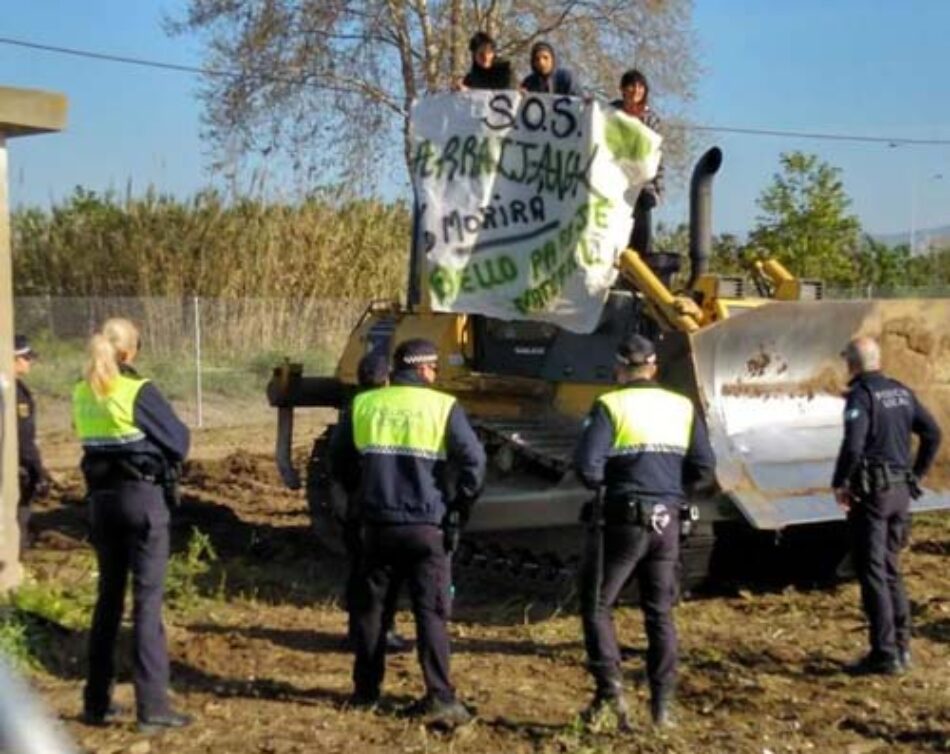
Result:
[22,112]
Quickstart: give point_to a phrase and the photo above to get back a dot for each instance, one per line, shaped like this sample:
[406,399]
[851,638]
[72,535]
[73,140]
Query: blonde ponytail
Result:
[103,366]
[114,345]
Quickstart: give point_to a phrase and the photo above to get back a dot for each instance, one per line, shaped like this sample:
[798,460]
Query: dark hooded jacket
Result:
[559,81]
[499,76]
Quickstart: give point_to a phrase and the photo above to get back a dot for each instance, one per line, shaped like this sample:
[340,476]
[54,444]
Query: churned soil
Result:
[258,656]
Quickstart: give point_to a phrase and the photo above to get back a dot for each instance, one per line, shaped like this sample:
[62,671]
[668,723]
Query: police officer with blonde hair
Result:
[131,441]
[643,444]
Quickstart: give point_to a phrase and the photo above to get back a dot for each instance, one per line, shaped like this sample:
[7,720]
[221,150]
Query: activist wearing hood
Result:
[545,76]
[488,71]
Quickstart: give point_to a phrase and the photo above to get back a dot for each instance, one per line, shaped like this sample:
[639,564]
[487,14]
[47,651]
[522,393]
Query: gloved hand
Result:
[463,506]
[913,486]
[647,199]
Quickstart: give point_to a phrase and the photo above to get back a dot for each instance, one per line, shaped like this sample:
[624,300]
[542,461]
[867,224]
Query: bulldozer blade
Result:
[772,381]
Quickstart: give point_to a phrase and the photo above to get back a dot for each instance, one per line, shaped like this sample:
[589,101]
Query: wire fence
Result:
[211,357]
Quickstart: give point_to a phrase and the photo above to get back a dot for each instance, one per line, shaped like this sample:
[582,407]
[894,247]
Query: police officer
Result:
[371,372]
[397,441]
[874,480]
[643,443]
[131,438]
[33,477]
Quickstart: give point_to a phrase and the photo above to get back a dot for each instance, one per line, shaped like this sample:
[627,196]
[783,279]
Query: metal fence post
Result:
[197,309]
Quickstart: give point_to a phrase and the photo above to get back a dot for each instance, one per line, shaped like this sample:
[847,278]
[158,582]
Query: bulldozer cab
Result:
[544,351]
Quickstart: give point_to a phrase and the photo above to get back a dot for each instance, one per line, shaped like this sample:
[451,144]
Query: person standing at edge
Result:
[488,71]
[643,444]
[634,101]
[874,482]
[33,477]
[131,441]
[397,440]
[545,76]
[371,372]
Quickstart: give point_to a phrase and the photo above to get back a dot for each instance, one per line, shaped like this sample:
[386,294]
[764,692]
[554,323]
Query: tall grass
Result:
[255,277]
[323,247]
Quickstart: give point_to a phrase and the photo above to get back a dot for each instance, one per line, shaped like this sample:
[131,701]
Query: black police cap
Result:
[373,370]
[636,351]
[415,353]
[21,347]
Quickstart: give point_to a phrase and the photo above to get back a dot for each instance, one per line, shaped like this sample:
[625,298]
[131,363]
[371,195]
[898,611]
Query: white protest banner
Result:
[525,201]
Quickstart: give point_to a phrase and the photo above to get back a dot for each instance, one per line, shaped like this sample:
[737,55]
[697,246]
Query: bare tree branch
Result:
[328,83]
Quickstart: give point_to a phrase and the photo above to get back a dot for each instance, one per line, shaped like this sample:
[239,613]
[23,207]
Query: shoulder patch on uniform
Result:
[851,414]
[23,410]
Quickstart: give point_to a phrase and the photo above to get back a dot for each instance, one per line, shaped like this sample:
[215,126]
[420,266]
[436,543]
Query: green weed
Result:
[34,615]
[16,643]
[186,568]
[69,605]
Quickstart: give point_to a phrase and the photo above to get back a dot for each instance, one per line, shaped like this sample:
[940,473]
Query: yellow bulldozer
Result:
[764,370]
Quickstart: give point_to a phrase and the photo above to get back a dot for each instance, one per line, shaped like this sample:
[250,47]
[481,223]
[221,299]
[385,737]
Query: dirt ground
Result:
[258,659]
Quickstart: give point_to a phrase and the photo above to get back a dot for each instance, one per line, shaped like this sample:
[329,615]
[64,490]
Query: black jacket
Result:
[880,414]
[30,461]
[561,81]
[499,76]
[403,489]
[652,474]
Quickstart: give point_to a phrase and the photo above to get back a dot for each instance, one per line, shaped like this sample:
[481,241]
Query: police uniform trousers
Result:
[354,551]
[131,536]
[393,555]
[24,508]
[880,526]
[641,237]
[632,550]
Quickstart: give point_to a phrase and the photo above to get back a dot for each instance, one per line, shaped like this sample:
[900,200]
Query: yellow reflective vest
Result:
[649,420]
[402,420]
[107,422]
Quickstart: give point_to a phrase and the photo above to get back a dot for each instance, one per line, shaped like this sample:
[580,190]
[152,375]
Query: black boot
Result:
[396,644]
[154,723]
[661,704]
[609,696]
[97,718]
[875,663]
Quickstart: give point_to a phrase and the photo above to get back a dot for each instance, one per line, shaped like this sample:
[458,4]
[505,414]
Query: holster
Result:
[101,472]
[452,530]
[872,477]
[627,510]
[171,484]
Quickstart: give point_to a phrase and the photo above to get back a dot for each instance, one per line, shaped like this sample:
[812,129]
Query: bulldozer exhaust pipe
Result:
[700,213]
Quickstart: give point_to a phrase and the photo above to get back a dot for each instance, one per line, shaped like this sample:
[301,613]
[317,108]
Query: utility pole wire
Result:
[890,141]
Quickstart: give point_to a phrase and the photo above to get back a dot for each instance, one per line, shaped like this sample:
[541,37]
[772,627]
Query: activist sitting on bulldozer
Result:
[546,77]
[634,101]
[488,71]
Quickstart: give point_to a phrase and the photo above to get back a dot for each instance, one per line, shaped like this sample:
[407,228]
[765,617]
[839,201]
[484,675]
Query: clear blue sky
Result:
[872,67]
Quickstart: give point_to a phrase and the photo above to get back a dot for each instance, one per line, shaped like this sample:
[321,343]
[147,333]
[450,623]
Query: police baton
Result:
[595,527]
